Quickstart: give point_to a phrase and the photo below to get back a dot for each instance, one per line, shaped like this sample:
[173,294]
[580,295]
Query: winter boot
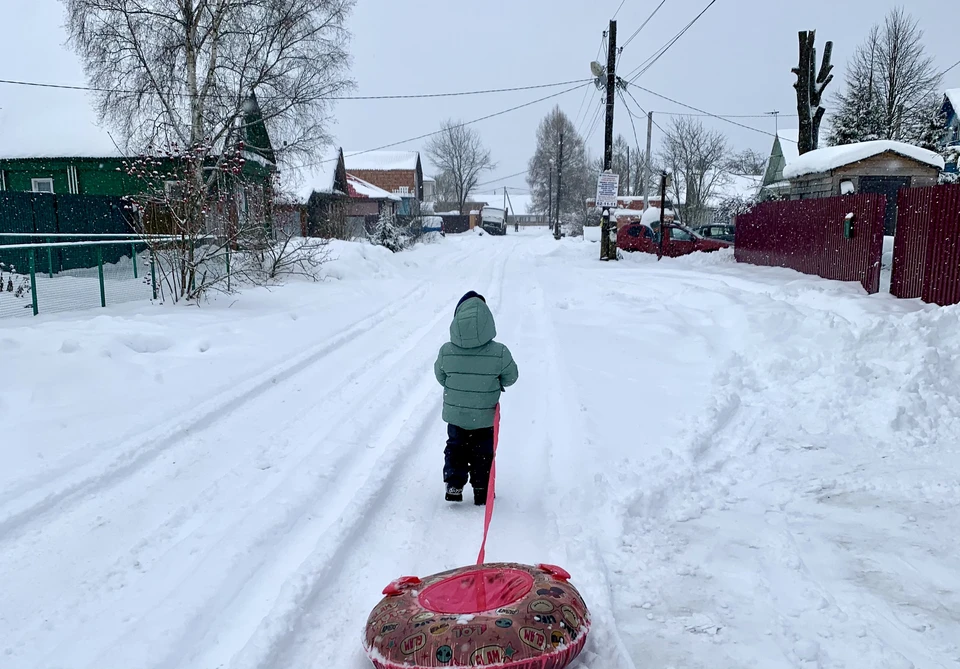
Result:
[480,496]
[454,494]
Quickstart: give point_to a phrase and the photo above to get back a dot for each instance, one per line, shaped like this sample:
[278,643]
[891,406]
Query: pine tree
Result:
[859,117]
[388,234]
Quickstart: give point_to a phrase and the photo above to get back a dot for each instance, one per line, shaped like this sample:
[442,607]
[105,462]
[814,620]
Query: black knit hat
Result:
[468,296]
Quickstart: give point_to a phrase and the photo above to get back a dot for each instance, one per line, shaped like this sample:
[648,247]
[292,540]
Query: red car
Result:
[678,240]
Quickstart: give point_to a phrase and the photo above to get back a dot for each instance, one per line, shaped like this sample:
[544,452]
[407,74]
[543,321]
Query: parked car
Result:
[678,240]
[725,233]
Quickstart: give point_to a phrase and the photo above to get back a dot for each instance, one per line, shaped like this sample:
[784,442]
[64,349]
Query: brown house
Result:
[336,204]
[881,167]
[397,172]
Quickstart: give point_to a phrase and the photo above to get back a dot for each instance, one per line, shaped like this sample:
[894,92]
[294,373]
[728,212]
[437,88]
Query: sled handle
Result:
[398,586]
[557,572]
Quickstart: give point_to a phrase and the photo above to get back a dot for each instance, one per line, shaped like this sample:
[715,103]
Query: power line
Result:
[507,178]
[955,65]
[622,3]
[643,25]
[92,89]
[650,62]
[704,112]
[587,92]
[636,137]
[454,127]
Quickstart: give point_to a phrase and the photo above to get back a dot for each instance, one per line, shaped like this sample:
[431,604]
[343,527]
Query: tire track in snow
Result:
[54,495]
[591,571]
[275,517]
[282,637]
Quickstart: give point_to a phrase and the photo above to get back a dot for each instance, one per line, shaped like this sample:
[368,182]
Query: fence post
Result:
[33,280]
[153,273]
[133,248]
[228,267]
[50,257]
[103,294]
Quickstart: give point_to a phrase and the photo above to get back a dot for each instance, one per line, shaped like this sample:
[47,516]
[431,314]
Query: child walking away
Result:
[473,370]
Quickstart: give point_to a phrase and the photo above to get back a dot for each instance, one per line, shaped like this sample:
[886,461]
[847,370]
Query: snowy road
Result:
[741,467]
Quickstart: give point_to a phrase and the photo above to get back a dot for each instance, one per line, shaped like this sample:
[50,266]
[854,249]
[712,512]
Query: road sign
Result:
[608,187]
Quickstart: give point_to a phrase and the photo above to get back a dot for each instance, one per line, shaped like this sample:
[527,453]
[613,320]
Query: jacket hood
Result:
[473,325]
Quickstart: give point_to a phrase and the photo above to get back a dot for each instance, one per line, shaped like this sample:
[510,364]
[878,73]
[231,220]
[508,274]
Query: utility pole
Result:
[663,209]
[608,243]
[550,195]
[629,174]
[646,170]
[556,229]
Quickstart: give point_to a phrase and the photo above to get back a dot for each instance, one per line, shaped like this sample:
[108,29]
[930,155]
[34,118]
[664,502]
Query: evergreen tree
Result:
[388,234]
[891,87]
[859,117]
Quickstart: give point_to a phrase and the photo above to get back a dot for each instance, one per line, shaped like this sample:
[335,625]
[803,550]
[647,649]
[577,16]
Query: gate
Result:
[926,252]
[809,236]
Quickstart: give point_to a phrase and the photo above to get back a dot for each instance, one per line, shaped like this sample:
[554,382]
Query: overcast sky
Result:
[735,60]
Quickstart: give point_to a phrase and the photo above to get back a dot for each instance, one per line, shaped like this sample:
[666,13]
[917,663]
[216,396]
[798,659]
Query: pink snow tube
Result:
[503,614]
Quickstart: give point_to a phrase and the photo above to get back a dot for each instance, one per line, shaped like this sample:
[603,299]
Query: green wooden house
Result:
[88,162]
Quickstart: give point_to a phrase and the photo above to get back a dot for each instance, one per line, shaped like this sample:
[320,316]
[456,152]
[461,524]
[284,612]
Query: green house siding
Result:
[94,176]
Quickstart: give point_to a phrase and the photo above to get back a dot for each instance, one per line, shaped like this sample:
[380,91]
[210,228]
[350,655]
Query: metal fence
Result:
[839,238]
[70,272]
[926,252]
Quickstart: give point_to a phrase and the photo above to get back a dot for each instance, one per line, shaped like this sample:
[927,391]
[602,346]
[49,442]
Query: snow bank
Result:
[834,157]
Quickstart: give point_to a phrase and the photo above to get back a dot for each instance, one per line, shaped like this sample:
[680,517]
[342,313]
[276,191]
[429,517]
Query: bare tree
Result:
[892,87]
[459,155]
[747,162]
[180,71]
[696,157]
[194,81]
[542,172]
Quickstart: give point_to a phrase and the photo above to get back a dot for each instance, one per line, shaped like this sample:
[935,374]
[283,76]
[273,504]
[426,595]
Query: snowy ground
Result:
[742,467]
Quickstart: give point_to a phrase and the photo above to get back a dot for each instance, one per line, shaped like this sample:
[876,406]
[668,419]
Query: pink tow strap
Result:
[491,495]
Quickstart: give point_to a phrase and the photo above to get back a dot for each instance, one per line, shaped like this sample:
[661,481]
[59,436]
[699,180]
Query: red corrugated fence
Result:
[808,236]
[926,252]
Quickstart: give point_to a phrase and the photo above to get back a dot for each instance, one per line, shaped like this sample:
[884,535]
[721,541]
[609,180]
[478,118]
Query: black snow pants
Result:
[468,453]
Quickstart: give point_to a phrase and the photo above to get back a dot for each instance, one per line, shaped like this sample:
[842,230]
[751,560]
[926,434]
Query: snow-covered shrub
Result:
[388,234]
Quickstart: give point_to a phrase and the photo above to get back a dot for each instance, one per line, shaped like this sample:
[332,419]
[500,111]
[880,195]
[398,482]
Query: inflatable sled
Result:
[503,614]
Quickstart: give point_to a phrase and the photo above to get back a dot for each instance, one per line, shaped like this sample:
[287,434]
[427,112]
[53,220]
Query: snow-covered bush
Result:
[388,234]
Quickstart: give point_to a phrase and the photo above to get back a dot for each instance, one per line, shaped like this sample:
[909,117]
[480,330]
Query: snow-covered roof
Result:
[953,95]
[364,189]
[320,177]
[58,140]
[381,160]
[834,157]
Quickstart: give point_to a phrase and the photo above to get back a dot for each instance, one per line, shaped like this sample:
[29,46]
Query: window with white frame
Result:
[402,190]
[42,185]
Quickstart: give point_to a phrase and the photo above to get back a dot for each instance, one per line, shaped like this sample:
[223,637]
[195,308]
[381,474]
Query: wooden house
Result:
[883,167]
[397,172]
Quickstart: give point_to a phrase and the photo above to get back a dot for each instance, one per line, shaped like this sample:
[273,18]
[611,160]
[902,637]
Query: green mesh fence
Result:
[69,273]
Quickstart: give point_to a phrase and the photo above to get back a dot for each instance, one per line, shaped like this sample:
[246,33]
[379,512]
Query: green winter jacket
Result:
[472,368]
